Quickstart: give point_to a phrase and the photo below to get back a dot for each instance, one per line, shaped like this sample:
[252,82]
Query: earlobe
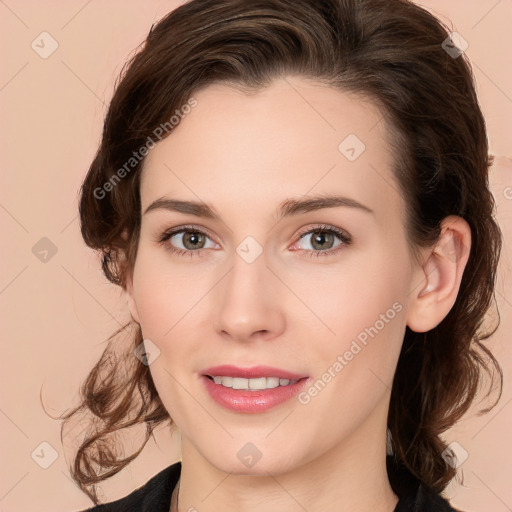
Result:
[442,272]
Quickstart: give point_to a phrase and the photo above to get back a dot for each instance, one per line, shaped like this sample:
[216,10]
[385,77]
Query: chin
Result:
[249,461]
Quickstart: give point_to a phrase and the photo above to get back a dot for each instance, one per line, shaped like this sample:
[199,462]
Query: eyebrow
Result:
[289,207]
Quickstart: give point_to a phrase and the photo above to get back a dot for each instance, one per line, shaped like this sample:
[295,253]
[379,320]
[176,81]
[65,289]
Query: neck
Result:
[348,477]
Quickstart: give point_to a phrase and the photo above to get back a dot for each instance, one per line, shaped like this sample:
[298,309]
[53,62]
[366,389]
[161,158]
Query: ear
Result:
[440,275]
[130,298]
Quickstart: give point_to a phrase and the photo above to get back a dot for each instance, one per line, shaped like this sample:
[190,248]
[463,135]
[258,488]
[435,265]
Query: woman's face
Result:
[267,287]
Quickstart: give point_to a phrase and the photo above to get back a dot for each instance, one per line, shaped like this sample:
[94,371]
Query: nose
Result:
[249,302]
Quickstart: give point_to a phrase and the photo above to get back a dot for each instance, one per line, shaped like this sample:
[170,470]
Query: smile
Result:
[253,384]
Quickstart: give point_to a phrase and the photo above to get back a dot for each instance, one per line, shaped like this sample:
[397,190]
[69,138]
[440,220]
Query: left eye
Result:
[325,235]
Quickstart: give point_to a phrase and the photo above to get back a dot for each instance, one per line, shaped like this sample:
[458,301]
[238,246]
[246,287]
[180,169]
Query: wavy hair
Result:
[390,51]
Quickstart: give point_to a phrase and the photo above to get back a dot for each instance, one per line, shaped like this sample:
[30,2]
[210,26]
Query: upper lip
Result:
[228,370]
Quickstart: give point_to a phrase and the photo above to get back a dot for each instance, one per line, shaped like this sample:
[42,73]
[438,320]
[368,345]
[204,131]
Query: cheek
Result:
[354,365]
[363,308]
[350,299]
[164,293]
[165,300]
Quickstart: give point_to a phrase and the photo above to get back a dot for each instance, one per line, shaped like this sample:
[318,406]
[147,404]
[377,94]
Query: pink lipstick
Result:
[251,390]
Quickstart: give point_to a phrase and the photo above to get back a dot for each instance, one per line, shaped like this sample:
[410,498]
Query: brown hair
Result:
[390,51]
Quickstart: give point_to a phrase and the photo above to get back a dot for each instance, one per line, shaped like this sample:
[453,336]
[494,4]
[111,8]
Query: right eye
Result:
[188,236]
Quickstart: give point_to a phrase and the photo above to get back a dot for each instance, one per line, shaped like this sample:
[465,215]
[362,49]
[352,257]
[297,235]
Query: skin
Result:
[244,155]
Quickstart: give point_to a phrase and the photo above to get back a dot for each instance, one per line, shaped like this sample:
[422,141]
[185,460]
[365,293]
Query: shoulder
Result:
[153,496]
[414,495]
[424,500]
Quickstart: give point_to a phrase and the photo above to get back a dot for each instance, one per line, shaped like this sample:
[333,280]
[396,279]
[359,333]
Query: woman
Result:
[294,196]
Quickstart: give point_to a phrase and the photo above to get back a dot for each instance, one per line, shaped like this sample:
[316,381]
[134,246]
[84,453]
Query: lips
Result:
[252,401]
[253,372]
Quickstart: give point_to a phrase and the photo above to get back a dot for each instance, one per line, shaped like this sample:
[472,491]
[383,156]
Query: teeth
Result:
[252,384]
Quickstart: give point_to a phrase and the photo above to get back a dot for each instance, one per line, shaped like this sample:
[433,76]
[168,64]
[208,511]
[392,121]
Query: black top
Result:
[155,495]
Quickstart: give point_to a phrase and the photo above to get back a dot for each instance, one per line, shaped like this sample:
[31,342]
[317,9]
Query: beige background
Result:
[57,314]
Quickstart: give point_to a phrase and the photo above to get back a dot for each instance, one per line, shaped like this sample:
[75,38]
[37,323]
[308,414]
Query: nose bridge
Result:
[248,300]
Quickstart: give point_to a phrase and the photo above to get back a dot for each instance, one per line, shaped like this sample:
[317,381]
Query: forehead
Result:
[289,139]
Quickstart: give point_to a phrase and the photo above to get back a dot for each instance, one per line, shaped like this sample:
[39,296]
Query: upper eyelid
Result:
[181,229]
[324,227]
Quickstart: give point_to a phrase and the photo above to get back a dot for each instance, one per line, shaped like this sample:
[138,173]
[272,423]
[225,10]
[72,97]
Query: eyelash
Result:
[342,235]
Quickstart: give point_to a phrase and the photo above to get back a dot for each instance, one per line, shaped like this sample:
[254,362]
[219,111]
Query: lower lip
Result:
[241,400]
